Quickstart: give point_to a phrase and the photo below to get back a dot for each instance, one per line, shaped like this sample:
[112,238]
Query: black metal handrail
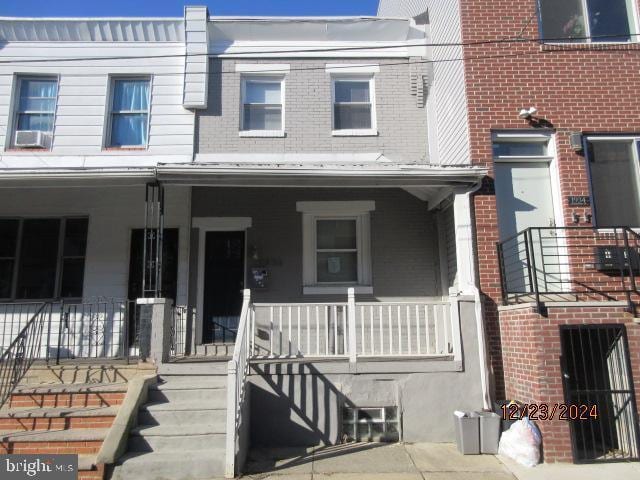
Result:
[23,351]
[565,263]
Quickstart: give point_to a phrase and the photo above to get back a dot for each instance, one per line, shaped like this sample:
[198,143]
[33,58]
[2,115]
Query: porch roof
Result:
[317,170]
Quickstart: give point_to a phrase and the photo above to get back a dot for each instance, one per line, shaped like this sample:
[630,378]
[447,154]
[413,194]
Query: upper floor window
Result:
[262,105]
[129,115]
[35,111]
[587,20]
[42,258]
[353,106]
[615,177]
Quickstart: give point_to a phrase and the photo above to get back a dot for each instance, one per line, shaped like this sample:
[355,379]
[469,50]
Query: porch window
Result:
[353,105]
[42,258]
[36,105]
[336,246]
[129,114]
[262,104]
[614,181]
[587,20]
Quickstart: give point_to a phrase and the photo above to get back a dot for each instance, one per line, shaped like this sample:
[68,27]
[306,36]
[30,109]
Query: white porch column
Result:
[468,279]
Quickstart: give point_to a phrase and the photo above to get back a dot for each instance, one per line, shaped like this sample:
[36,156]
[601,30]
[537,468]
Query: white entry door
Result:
[525,199]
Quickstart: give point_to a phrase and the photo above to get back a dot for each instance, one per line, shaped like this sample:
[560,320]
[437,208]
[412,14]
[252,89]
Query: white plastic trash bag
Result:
[522,443]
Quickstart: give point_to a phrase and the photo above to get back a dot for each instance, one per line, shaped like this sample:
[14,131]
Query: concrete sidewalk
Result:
[370,461]
[427,461]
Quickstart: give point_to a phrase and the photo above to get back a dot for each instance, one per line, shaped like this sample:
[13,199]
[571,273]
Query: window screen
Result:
[262,105]
[352,108]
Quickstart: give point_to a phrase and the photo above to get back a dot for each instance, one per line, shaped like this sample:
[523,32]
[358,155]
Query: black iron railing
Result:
[102,329]
[179,332]
[570,263]
[23,351]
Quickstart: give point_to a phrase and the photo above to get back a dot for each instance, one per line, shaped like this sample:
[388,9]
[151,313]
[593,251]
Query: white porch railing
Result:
[237,371]
[356,329]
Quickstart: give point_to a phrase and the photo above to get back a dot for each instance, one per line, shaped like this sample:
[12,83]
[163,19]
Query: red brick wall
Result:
[590,89]
[531,352]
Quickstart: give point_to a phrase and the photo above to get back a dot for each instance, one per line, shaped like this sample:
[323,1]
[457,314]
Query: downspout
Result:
[479,311]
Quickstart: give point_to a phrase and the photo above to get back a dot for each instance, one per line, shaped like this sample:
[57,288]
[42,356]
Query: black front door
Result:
[599,387]
[223,284]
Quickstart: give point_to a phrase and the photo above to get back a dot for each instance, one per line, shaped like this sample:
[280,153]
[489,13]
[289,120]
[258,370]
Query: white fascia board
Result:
[288,49]
[263,68]
[346,69]
[336,208]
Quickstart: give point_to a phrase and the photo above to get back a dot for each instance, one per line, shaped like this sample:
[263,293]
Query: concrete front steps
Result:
[181,429]
[61,418]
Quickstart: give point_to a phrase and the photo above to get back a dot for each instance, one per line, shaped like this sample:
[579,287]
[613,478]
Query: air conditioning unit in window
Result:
[30,139]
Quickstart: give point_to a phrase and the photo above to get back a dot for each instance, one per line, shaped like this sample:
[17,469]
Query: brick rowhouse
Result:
[576,88]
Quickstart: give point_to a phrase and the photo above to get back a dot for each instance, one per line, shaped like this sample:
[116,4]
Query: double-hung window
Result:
[615,175]
[129,113]
[353,105]
[588,20]
[336,246]
[36,104]
[262,105]
[42,258]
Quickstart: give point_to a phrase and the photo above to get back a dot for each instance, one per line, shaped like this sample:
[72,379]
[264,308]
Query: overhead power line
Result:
[502,41]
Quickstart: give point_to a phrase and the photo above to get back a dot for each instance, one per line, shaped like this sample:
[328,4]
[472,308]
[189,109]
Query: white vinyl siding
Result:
[83,93]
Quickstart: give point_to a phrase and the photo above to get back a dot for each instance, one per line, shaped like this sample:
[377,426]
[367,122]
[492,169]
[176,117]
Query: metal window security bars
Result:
[570,264]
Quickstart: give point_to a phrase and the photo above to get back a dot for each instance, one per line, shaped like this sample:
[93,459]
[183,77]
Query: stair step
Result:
[65,399]
[177,431]
[79,435]
[181,417]
[181,383]
[189,367]
[179,465]
[186,394]
[71,388]
[169,443]
[56,418]
[215,350]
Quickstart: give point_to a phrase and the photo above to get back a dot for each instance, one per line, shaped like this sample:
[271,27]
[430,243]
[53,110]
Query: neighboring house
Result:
[306,161]
[552,117]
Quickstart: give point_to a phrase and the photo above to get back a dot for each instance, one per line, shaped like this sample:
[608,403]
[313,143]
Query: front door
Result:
[525,199]
[224,269]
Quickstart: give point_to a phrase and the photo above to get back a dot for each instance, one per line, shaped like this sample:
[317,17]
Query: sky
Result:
[174,8]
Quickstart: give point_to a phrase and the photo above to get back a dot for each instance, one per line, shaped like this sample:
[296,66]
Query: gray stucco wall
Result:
[300,404]
[402,124]
[403,238]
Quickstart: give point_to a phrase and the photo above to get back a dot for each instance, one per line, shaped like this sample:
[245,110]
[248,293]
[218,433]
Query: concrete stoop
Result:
[181,430]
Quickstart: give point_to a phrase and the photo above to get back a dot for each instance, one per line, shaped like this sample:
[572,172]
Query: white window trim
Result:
[634,27]
[525,137]
[352,68]
[109,112]
[266,78]
[360,211]
[15,108]
[264,68]
[364,132]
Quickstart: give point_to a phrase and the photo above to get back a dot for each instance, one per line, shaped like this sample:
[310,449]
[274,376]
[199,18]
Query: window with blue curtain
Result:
[37,104]
[129,113]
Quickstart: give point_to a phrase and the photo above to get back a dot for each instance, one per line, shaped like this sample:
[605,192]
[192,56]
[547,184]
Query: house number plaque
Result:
[579,201]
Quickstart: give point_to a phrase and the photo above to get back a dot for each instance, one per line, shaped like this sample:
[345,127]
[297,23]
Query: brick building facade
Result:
[585,87]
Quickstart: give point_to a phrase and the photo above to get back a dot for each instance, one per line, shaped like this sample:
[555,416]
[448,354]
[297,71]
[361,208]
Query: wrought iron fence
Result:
[23,351]
[179,331]
[91,330]
[571,263]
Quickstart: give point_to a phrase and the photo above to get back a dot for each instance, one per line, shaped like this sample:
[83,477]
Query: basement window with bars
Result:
[371,424]
[588,20]
[42,258]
